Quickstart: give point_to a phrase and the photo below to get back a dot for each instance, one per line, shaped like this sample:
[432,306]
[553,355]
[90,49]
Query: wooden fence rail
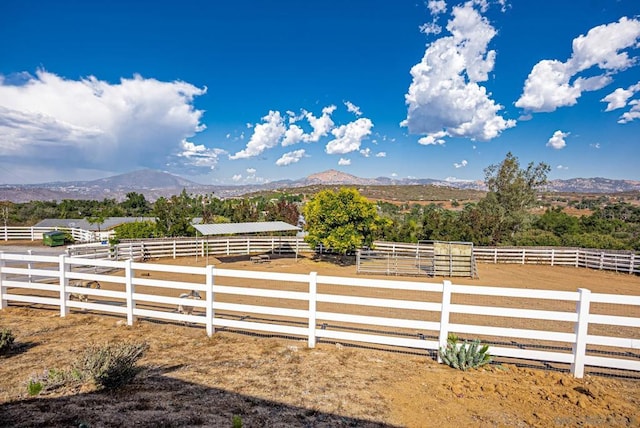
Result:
[31,233]
[415,315]
[618,261]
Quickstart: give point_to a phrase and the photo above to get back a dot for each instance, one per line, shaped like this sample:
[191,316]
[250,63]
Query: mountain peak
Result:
[333,176]
[144,179]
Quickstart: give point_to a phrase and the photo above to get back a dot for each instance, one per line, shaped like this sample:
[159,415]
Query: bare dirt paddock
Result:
[192,380]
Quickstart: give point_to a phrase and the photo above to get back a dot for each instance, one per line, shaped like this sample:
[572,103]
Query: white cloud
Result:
[462,164]
[557,140]
[437,7]
[562,167]
[433,138]
[366,152]
[430,28]
[265,136]
[95,124]
[595,145]
[349,137]
[381,154]
[237,177]
[293,135]
[199,155]
[291,157]
[394,174]
[344,162]
[632,114]
[251,171]
[620,98]
[550,85]
[321,125]
[444,95]
[352,108]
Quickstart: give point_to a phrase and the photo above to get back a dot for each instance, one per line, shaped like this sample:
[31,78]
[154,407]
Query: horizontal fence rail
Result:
[32,233]
[618,261]
[141,250]
[579,329]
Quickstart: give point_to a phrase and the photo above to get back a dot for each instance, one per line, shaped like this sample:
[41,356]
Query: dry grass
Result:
[191,380]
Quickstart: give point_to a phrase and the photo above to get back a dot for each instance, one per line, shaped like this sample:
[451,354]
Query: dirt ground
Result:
[192,380]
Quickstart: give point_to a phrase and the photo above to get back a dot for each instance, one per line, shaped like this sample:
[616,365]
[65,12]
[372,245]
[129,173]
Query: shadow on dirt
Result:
[155,399]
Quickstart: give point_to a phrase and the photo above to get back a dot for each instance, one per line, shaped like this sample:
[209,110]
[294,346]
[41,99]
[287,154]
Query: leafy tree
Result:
[342,221]
[136,205]
[136,230]
[512,191]
[556,221]
[174,216]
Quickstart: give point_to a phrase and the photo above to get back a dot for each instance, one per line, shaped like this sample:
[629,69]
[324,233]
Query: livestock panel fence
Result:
[577,331]
[430,258]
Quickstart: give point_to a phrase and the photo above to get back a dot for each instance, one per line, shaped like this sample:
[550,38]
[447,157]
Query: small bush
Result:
[236,422]
[6,340]
[34,387]
[112,365]
[53,379]
[466,355]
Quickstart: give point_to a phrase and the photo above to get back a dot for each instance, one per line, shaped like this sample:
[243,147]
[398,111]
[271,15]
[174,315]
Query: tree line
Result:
[345,220]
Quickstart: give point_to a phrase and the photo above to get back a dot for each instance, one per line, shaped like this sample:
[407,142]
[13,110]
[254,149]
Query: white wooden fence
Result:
[31,233]
[191,247]
[618,261]
[414,315]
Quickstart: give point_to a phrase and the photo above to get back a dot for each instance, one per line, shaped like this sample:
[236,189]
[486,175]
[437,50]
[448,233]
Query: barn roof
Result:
[242,228]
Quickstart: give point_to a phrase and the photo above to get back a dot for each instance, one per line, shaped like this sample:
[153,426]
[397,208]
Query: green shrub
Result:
[236,422]
[53,379]
[34,387]
[466,355]
[112,365]
[6,340]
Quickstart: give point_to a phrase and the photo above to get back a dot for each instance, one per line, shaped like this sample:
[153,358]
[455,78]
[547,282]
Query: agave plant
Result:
[466,355]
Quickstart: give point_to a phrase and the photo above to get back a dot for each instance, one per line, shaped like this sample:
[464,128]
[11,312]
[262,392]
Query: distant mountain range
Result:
[154,184]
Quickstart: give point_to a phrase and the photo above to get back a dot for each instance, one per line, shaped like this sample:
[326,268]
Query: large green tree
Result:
[512,191]
[174,215]
[342,221]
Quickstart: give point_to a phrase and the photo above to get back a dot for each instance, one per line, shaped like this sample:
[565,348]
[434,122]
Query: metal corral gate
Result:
[430,258]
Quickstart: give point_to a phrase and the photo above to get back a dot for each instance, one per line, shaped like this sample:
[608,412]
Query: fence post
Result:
[581,329]
[495,256]
[6,233]
[33,238]
[174,249]
[631,262]
[524,256]
[3,302]
[129,289]
[553,256]
[209,297]
[313,292]
[444,316]
[64,282]
[30,264]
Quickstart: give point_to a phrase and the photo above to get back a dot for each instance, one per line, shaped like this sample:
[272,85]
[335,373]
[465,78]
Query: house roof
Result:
[81,223]
[242,228]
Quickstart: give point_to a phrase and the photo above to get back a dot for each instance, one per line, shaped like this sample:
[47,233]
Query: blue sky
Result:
[249,92]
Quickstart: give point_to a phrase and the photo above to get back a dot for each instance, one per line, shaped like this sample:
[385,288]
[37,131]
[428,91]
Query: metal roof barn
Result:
[243,228]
